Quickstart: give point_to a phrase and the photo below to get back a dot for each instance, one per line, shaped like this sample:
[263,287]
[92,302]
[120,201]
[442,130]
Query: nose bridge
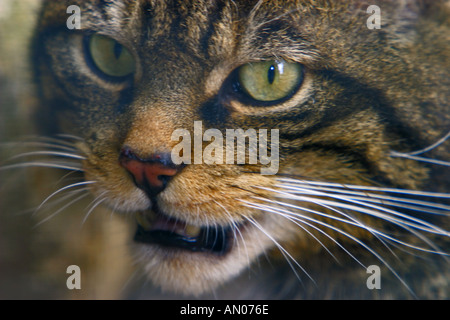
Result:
[151,129]
[165,100]
[172,72]
[153,123]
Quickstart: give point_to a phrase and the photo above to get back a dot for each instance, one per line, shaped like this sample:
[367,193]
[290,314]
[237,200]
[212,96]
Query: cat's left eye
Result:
[110,57]
[270,81]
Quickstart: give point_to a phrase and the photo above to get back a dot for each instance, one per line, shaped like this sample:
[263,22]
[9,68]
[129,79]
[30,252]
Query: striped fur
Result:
[367,96]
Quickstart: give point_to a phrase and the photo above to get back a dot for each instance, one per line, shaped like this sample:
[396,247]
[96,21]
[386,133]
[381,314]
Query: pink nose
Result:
[150,174]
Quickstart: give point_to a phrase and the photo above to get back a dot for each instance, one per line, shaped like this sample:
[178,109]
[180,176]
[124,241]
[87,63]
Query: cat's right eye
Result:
[110,57]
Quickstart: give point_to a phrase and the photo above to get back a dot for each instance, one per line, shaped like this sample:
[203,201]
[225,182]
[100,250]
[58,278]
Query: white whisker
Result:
[54,202]
[235,228]
[74,185]
[408,220]
[307,231]
[40,145]
[48,153]
[95,203]
[361,243]
[42,142]
[331,204]
[434,145]
[396,154]
[54,165]
[418,205]
[61,209]
[370,188]
[285,253]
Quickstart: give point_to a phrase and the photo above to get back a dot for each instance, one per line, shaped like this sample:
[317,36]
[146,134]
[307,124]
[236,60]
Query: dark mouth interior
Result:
[163,232]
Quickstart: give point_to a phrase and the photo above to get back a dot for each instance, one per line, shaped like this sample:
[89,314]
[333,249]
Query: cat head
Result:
[327,98]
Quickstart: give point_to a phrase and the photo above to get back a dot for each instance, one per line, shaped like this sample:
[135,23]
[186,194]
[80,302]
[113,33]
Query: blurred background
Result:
[34,252]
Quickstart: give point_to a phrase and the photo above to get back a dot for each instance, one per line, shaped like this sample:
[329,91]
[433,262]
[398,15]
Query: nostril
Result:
[164,179]
[150,174]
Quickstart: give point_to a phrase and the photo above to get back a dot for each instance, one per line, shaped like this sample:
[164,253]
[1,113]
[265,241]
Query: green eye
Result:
[270,81]
[110,57]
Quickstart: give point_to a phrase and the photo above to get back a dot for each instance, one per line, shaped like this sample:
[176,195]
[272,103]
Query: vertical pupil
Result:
[271,74]
[117,49]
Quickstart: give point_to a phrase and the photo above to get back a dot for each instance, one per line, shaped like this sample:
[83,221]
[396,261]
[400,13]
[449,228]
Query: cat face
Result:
[339,99]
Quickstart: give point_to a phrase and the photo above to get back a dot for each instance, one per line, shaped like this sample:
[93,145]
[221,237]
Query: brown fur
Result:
[365,94]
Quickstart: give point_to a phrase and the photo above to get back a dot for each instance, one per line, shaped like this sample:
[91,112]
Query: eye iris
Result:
[110,57]
[270,81]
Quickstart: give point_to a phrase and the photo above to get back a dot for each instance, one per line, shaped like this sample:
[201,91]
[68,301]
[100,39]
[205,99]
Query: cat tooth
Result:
[192,231]
[145,220]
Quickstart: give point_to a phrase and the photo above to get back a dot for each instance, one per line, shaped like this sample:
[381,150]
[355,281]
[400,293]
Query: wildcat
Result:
[362,116]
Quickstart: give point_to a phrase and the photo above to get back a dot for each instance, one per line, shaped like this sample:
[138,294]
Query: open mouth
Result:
[156,228]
